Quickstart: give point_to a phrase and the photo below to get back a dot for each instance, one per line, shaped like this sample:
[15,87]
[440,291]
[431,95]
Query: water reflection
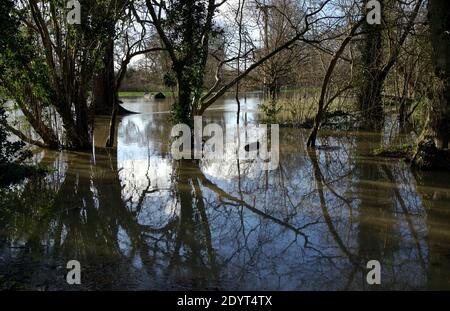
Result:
[137,219]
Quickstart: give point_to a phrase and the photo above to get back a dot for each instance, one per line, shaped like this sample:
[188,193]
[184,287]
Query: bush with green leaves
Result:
[271,109]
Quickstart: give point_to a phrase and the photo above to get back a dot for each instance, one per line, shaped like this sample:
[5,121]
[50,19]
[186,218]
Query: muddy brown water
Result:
[137,219]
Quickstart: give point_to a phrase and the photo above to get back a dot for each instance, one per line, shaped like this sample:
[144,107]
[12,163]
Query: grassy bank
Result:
[299,110]
[131,94]
[166,93]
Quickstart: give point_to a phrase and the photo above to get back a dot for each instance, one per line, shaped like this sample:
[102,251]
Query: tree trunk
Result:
[369,97]
[104,82]
[432,150]
[439,17]
[370,101]
[75,121]
[274,91]
[112,126]
[311,142]
[181,110]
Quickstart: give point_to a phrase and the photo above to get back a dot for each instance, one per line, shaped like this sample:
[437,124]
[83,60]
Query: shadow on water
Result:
[137,219]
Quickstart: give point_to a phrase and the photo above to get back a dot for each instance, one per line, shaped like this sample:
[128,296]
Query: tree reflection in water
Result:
[136,219]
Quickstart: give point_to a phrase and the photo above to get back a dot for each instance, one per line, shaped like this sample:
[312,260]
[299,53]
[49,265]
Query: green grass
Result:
[396,151]
[131,94]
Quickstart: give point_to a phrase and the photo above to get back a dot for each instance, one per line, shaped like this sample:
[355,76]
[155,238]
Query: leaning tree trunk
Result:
[432,149]
[323,103]
[46,133]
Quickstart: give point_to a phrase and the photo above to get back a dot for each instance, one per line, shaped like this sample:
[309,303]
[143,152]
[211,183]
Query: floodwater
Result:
[137,219]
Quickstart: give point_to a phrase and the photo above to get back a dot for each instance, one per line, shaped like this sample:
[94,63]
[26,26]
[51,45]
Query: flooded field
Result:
[137,219]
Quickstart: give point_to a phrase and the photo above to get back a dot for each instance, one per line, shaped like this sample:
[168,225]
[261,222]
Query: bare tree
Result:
[186,28]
